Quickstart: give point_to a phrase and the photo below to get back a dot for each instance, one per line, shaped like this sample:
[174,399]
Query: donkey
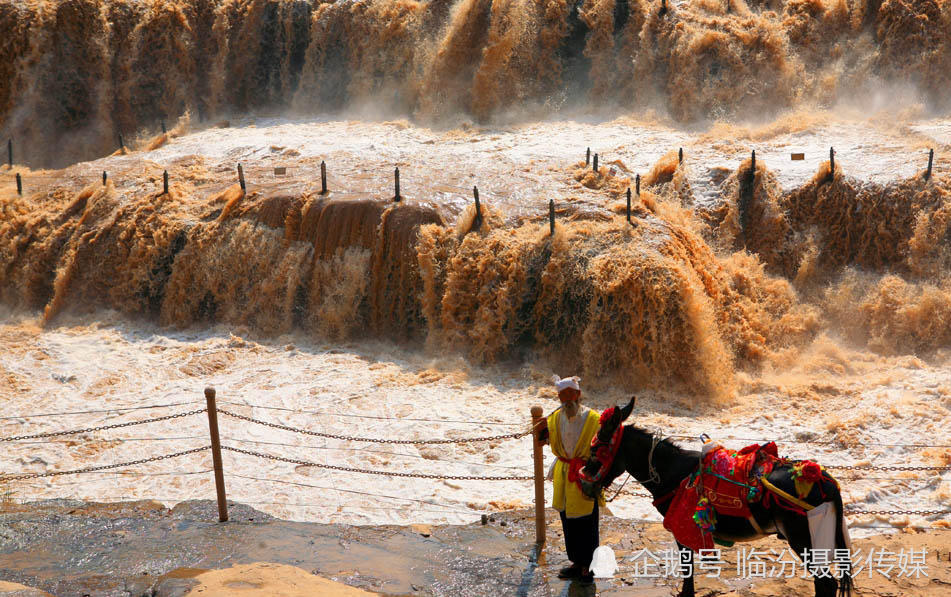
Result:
[660,466]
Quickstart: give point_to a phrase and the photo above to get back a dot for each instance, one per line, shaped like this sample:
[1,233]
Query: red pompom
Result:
[811,472]
[608,412]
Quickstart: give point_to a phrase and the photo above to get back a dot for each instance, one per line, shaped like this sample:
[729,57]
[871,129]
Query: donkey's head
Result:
[607,462]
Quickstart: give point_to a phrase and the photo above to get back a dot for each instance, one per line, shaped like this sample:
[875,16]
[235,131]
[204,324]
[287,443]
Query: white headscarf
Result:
[568,382]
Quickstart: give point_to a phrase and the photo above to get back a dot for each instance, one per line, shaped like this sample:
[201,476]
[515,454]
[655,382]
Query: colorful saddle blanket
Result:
[726,483]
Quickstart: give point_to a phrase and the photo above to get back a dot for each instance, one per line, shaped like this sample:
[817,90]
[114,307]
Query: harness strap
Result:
[654,475]
[791,499]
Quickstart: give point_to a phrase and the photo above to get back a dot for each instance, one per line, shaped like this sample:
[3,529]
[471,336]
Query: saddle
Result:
[725,484]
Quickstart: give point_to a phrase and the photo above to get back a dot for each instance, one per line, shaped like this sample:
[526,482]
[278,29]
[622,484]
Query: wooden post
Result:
[10,152]
[241,178]
[477,222]
[930,163]
[19,185]
[628,205]
[587,157]
[121,144]
[832,161]
[164,132]
[104,177]
[595,163]
[396,176]
[539,476]
[216,454]
[551,215]
[637,181]
[165,182]
[680,155]
[323,178]
[753,167]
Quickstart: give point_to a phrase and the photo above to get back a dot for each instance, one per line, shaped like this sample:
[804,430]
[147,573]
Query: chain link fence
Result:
[621,490]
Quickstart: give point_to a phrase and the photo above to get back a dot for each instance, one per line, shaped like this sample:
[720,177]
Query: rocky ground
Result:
[72,549]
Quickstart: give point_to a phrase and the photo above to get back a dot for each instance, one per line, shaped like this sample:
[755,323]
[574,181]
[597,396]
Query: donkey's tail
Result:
[845,581]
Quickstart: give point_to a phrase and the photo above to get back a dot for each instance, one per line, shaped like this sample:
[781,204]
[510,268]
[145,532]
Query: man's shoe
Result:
[573,571]
[586,579]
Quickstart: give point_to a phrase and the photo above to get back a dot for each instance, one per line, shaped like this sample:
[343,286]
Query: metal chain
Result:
[890,512]
[618,492]
[376,440]
[89,429]
[631,492]
[889,468]
[850,511]
[372,472]
[638,494]
[101,468]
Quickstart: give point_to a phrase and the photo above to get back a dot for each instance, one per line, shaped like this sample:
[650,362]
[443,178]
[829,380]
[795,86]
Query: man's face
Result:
[570,401]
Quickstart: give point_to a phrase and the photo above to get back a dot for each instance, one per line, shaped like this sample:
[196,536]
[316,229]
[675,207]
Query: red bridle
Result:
[604,452]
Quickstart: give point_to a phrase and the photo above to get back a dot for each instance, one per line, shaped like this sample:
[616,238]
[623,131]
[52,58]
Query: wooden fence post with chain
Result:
[216,454]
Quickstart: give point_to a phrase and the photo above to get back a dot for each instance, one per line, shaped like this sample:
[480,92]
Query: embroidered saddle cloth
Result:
[731,480]
[726,483]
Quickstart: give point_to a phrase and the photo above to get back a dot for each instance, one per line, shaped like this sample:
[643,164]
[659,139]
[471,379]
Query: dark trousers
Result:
[581,537]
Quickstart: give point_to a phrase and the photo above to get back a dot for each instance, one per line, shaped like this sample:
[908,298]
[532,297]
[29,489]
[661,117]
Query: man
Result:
[569,431]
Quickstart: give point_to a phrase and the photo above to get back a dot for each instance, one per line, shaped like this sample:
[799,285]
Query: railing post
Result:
[477,221]
[10,152]
[396,176]
[104,177]
[930,163]
[241,179]
[216,454]
[19,185]
[628,205]
[539,477]
[551,216]
[165,182]
[323,178]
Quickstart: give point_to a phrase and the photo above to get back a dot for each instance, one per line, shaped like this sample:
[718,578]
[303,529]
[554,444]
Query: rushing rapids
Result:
[722,269]
[77,74]
[718,272]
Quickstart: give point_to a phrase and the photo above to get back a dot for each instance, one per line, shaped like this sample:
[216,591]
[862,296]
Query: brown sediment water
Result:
[724,268]
[684,297]
[78,73]
[834,221]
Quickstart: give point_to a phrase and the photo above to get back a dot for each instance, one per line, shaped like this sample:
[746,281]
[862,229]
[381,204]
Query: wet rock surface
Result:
[70,548]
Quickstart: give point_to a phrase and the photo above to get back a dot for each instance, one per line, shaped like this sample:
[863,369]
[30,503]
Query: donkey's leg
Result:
[796,530]
[686,557]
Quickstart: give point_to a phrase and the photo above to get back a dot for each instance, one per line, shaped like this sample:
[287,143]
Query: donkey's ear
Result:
[626,411]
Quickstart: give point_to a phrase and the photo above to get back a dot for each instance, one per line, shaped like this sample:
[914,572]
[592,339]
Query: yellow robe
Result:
[568,497]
